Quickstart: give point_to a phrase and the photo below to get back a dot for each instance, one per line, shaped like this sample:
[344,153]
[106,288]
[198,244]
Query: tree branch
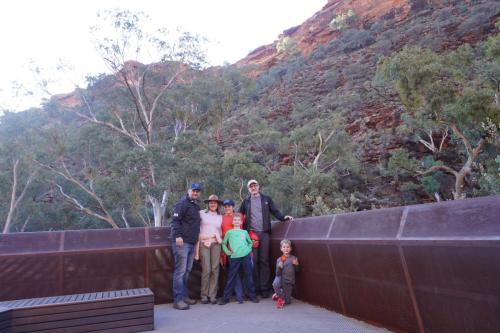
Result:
[439,167]
[67,175]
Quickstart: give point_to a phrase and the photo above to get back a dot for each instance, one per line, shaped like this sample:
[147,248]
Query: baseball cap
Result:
[196,186]
[228,202]
[252,181]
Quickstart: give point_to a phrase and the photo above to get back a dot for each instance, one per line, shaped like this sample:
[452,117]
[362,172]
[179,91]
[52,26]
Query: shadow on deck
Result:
[262,317]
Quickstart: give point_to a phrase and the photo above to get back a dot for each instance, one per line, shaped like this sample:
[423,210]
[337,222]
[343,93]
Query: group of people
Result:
[237,240]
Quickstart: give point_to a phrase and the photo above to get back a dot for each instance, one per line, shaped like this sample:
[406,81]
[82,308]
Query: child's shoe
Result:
[280,304]
[275,297]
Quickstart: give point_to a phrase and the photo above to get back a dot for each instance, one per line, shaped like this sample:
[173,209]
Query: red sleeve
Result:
[227,224]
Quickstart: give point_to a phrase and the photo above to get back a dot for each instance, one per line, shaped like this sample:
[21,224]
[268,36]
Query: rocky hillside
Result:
[313,116]
[316,30]
[327,64]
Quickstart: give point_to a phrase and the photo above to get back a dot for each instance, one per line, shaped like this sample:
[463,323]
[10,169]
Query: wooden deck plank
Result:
[81,314]
[112,311]
[56,300]
[123,326]
[129,329]
[24,312]
[112,320]
[68,307]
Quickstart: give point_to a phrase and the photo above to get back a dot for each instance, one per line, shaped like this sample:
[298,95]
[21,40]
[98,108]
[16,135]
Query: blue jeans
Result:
[238,287]
[183,256]
[235,264]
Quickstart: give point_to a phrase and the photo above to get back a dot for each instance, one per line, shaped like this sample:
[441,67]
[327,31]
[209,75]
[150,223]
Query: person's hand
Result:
[295,261]
[288,218]
[179,241]
[196,256]
[217,237]
[280,264]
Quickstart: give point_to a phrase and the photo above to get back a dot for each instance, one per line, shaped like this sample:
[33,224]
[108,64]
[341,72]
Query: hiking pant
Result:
[209,259]
[283,289]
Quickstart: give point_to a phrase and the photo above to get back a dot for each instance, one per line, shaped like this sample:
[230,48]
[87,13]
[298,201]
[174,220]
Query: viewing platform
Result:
[422,268]
[262,317]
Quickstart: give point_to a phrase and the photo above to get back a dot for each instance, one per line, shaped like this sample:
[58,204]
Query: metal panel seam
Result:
[409,283]
[339,292]
[402,222]
[331,226]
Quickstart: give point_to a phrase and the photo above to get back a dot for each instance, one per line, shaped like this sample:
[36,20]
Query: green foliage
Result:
[354,39]
[286,44]
[430,184]
[400,164]
[454,91]
[479,20]
[343,20]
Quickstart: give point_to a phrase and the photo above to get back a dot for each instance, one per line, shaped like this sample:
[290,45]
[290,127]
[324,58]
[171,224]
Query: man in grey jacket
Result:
[258,209]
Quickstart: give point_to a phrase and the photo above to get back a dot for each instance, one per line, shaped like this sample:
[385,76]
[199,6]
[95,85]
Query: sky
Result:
[43,34]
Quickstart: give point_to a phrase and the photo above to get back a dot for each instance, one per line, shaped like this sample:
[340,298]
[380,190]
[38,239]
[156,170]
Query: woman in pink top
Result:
[209,249]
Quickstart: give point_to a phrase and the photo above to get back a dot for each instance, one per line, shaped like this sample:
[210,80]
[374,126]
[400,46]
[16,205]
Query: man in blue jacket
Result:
[257,209]
[185,232]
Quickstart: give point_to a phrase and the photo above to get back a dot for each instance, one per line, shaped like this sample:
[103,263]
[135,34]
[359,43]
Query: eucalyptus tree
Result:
[17,172]
[446,95]
[141,113]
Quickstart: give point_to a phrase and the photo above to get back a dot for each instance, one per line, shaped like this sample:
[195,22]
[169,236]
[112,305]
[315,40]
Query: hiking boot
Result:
[204,300]
[254,300]
[181,305]
[213,301]
[189,301]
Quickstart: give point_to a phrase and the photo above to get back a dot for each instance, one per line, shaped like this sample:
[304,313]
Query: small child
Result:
[239,258]
[286,267]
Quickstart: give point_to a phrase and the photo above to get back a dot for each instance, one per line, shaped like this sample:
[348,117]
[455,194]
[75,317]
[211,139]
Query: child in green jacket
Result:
[239,259]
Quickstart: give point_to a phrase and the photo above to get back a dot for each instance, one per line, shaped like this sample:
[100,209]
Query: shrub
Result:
[377,27]
[285,44]
[479,20]
[354,39]
[341,21]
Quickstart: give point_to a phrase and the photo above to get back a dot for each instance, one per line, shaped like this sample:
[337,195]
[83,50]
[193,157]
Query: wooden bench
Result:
[111,311]
[4,320]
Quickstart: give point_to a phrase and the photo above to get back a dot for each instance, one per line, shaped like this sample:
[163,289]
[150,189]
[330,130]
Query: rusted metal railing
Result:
[423,268]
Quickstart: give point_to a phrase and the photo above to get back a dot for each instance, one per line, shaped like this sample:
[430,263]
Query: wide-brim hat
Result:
[213,197]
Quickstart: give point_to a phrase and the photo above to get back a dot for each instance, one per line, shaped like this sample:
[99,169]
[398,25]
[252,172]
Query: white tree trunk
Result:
[14,202]
[159,208]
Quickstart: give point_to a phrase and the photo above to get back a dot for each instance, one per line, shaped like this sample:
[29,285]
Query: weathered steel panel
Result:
[424,268]
[316,270]
[368,224]
[30,242]
[460,218]
[310,228]
[93,272]
[29,276]
[85,240]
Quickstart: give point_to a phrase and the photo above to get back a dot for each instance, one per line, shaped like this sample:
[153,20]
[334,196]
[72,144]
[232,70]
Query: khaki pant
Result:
[209,259]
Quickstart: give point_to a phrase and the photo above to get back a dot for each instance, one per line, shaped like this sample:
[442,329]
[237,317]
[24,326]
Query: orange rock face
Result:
[67,100]
[316,30]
